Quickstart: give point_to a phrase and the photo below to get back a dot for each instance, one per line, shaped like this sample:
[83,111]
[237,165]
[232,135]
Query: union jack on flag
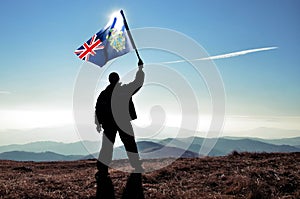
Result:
[110,42]
[88,48]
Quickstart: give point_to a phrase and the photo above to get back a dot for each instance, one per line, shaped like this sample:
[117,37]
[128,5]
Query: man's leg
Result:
[105,155]
[131,148]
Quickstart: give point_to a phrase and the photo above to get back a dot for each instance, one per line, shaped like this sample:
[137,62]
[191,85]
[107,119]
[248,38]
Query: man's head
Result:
[113,78]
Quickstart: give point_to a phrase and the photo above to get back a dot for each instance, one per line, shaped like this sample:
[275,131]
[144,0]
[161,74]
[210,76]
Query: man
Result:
[114,112]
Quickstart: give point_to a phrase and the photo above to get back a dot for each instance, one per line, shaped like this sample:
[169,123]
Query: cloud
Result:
[4,92]
[223,56]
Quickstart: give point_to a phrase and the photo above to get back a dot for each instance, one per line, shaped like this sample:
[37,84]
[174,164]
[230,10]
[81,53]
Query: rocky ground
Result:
[239,175]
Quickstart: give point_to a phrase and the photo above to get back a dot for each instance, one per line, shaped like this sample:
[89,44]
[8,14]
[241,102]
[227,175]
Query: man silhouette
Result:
[114,112]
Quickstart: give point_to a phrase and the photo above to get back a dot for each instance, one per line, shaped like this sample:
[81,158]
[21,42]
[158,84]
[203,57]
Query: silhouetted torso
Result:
[115,106]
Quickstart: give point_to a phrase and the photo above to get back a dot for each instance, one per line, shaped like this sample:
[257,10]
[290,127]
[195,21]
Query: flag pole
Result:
[130,37]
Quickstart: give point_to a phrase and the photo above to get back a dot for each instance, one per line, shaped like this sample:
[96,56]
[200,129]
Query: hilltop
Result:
[238,175]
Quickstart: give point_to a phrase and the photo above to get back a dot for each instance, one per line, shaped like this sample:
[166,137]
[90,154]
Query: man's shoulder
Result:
[103,93]
[108,89]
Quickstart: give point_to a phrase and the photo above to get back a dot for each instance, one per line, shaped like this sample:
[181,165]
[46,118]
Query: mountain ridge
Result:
[169,147]
[37,157]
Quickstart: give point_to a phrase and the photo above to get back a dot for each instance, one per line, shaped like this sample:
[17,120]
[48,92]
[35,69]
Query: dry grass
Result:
[239,175]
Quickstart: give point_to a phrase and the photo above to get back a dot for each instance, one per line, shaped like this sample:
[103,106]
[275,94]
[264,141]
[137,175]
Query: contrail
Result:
[223,56]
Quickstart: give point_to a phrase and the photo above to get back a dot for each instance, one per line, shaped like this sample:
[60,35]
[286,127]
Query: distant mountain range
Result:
[76,148]
[184,147]
[151,150]
[38,157]
[227,145]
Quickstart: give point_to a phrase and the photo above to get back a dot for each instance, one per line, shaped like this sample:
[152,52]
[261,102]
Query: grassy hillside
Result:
[239,175]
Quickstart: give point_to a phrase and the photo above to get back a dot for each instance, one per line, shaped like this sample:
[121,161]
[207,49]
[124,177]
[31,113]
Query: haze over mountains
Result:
[177,147]
[68,134]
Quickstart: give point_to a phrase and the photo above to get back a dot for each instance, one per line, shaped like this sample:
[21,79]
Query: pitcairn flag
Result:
[110,42]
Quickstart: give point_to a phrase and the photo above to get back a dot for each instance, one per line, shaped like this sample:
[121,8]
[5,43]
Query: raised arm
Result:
[138,82]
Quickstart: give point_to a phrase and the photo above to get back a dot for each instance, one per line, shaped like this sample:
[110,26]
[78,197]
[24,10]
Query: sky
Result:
[38,66]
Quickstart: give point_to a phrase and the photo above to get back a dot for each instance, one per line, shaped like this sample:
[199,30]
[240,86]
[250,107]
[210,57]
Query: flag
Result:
[110,42]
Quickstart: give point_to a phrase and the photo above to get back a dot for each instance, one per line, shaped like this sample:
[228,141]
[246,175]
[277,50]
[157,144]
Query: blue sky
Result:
[38,38]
